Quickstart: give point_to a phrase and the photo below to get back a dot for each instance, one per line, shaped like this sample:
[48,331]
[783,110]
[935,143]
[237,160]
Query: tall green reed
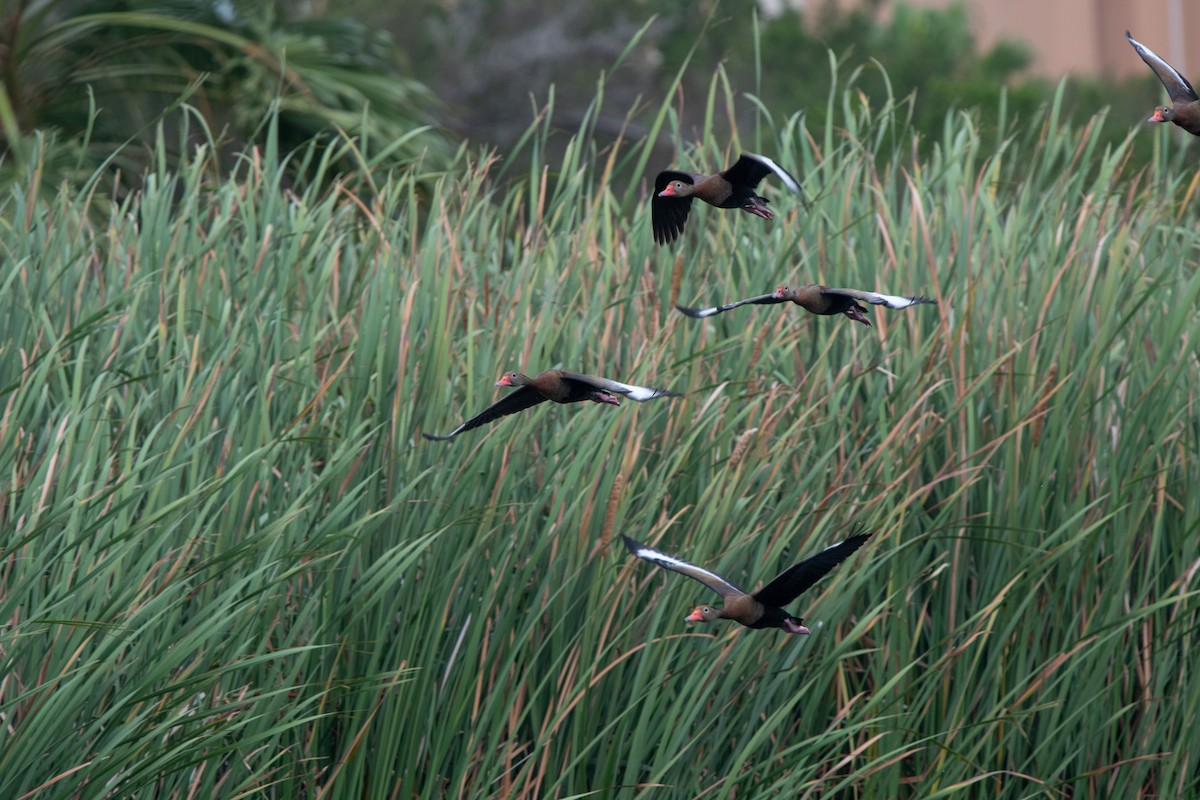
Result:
[231,567]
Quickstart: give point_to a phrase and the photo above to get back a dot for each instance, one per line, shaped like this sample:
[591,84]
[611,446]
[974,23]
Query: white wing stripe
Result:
[892,301]
[638,393]
[787,179]
[670,562]
[1147,52]
[1149,55]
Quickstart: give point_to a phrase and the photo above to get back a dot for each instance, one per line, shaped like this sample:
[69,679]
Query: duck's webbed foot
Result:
[856,314]
[794,627]
[758,207]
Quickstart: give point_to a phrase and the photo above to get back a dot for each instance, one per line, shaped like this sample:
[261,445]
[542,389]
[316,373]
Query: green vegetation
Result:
[94,75]
[230,567]
[486,59]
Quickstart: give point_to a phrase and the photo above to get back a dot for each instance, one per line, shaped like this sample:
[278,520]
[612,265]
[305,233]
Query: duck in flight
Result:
[734,188]
[1184,110]
[763,608]
[819,300]
[556,385]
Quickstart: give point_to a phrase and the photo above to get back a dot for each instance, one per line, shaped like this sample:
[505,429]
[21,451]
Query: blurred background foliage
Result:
[487,59]
[94,74]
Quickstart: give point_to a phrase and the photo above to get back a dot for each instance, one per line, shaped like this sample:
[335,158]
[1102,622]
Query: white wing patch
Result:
[1149,55]
[783,174]
[639,393]
[894,301]
[1152,58]
[710,579]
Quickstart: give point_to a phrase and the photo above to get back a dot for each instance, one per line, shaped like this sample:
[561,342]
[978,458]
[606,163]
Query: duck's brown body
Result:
[735,187]
[818,299]
[764,608]
[747,611]
[1184,110]
[562,387]
[558,386]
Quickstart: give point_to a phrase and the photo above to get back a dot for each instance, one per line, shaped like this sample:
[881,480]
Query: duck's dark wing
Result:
[1177,86]
[710,579]
[668,215]
[751,168]
[791,583]
[760,300]
[511,403]
[639,393]
[875,298]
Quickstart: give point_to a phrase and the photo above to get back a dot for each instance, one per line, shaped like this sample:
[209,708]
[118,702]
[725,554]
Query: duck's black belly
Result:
[738,197]
[773,618]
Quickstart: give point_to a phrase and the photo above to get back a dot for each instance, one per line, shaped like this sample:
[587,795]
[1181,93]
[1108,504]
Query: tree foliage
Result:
[101,72]
[487,60]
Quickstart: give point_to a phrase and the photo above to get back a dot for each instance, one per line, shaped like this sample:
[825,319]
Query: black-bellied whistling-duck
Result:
[819,300]
[733,188]
[1184,110]
[556,385]
[764,608]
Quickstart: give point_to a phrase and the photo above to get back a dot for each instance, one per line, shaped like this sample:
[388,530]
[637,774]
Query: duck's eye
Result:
[707,610]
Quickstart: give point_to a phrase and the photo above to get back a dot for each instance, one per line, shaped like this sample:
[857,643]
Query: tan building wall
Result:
[1088,36]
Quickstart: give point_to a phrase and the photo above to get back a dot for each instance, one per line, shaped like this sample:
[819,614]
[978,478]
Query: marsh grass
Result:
[231,567]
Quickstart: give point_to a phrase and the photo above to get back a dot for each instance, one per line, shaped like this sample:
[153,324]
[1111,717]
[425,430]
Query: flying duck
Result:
[1184,110]
[733,188]
[556,385]
[764,608]
[819,300]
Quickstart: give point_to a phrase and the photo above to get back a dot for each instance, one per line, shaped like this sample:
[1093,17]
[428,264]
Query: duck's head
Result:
[512,379]
[1163,114]
[704,614]
[677,189]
